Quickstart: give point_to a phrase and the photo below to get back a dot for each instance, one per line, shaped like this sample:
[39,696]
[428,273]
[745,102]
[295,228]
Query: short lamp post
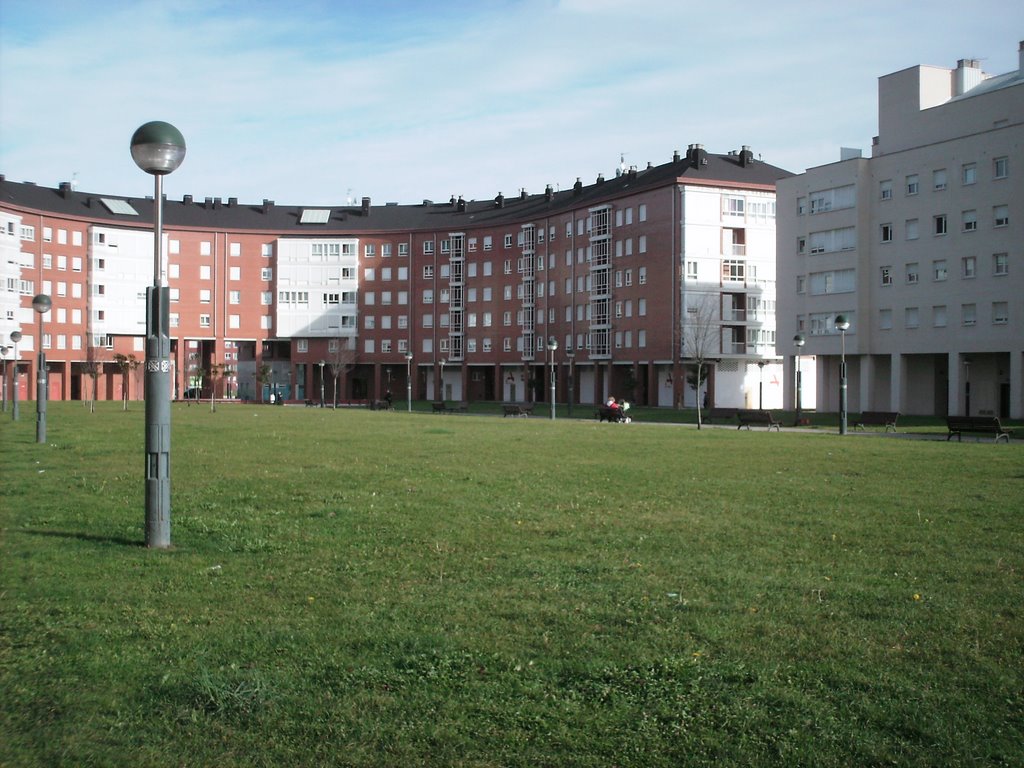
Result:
[322,363]
[158,148]
[842,325]
[760,385]
[41,304]
[552,348]
[799,341]
[15,338]
[572,383]
[408,381]
[4,349]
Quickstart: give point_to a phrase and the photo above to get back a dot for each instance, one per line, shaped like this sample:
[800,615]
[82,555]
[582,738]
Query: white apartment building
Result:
[920,247]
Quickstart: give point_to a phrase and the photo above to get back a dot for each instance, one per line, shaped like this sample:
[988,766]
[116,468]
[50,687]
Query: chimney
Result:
[600,178]
[675,156]
[697,155]
[366,206]
[967,75]
[65,189]
[548,193]
[1020,56]
[208,203]
[216,203]
[232,202]
[577,188]
[187,199]
[268,205]
[746,156]
[460,205]
[632,172]
[499,201]
[522,193]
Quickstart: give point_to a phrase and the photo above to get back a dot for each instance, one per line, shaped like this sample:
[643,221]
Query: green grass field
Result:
[360,588]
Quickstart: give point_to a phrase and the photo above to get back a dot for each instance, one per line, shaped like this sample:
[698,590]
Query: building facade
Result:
[920,247]
[304,303]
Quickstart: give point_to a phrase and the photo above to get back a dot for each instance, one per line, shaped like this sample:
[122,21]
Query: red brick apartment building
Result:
[275,299]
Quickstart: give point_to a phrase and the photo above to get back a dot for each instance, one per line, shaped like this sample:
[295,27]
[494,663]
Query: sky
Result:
[314,102]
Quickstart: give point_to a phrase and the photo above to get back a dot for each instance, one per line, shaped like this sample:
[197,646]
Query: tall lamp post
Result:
[443,361]
[760,385]
[4,349]
[41,304]
[552,348]
[158,149]
[15,338]
[842,325]
[572,360]
[799,341]
[408,381]
[967,386]
[322,363]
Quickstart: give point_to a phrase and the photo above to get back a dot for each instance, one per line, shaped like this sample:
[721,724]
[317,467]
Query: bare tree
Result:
[700,337]
[91,368]
[127,364]
[262,376]
[342,360]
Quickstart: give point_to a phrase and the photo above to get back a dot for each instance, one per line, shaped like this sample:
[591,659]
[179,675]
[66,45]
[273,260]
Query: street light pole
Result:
[322,364]
[799,341]
[41,304]
[967,386]
[760,385]
[552,348]
[158,149]
[15,338]
[842,324]
[408,380]
[572,361]
[4,349]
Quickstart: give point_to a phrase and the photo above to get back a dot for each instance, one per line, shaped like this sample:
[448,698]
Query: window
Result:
[204,321]
[508,241]
[204,272]
[831,240]
[886,275]
[428,296]
[939,180]
[235,273]
[204,296]
[428,247]
[801,206]
[267,273]
[266,298]
[1000,313]
[885,319]
[913,185]
[205,248]
[910,227]
[235,297]
[369,274]
[1000,264]
[968,314]
[1001,167]
[939,316]
[403,249]
[939,271]
[912,273]
[691,270]
[969,220]
[236,249]
[969,267]
[369,250]
[833,199]
[939,224]
[969,173]
[801,283]
[642,212]
[267,250]
[887,233]
[910,317]
[428,271]
[1000,215]
[885,189]
[642,276]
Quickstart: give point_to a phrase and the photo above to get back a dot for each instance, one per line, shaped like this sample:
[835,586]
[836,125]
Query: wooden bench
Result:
[514,409]
[381,405]
[981,425]
[604,413]
[885,419]
[757,418]
[439,407]
[310,403]
[719,414]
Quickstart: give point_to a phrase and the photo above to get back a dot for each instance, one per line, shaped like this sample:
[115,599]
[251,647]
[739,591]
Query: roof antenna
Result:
[74,181]
[622,165]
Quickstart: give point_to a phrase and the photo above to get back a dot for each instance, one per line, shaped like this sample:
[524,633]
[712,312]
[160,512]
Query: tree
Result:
[342,360]
[127,364]
[216,370]
[262,376]
[700,337]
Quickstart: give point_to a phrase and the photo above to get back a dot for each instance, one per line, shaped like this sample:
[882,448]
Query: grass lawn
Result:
[360,588]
